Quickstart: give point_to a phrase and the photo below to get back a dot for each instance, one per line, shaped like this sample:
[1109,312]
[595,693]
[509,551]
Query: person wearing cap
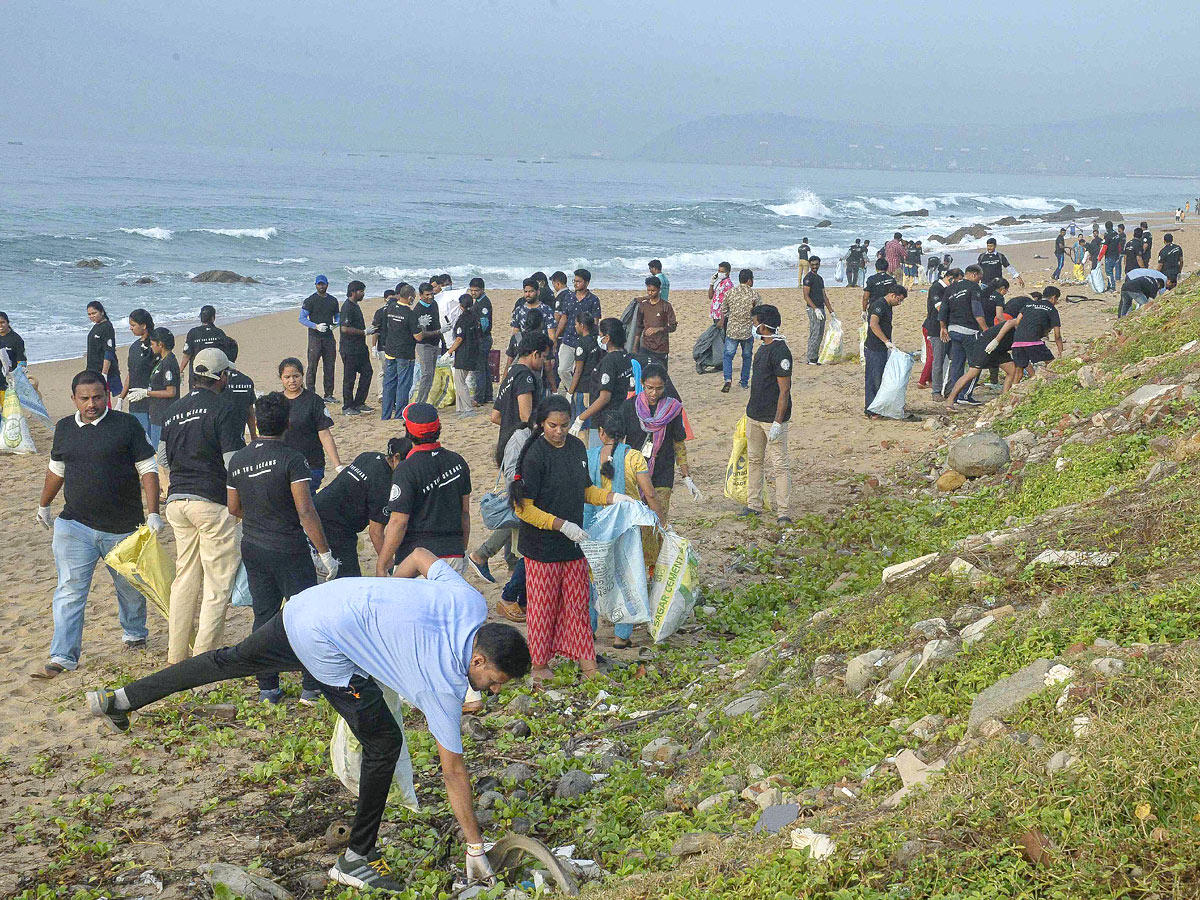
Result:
[319,314]
[201,432]
[356,360]
[100,460]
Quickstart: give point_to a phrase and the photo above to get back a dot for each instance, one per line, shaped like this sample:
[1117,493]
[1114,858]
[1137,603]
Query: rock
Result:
[521,825]
[1034,847]
[1105,644]
[932,423]
[756,772]
[775,818]
[693,843]
[1164,468]
[241,883]
[824,223]
[959,234]
[555,696]
[902,664]
[907,568]
[89,264]
[522,705]
[145,279]
[1008,693]
[981,453]
[991,728]
[1060,762]
[907,854]
[1004,611]
[929,628]
[938,650]
[474,729]
[962,570]
[1081,725]
[663,750]
[1108,666]
[841,584]
[573,783]
[768,787]
[772,796]
[217,712]
[864,670]
[965,614]
[735,783]
[519,729]
[719,799]
[1063,558]
[819,846]
[222,276]
[951,481]
[1162,445]
[518,773]
[750,703]
[975,630]
[1007,220]
[826,665]
[913,213]
[1145,394]
[489,799]
[927,728]
[822,615]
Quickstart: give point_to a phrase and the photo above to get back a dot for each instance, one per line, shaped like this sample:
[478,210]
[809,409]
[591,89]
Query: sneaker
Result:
[329,399]
[510,611]
[745,387]
[274,697]
[813,362]
[481,569]
[370,872]
[139,644]
[366,409]
[747,512]
[784,520]
[103,705]
[968,401]
[351,411]
[726,386]
[310,698]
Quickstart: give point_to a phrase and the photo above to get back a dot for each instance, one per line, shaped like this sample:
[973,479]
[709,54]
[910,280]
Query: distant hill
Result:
[1141,144]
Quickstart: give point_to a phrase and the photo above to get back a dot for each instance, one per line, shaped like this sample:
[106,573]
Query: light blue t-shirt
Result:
[414,635]
[665,290]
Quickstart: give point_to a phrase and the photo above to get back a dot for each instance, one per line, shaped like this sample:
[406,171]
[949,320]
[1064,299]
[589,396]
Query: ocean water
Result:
[283,216]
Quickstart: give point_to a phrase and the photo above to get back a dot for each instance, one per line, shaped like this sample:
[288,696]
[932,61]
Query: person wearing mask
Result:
[935,348]
[268,490]
[400,335]
[319,314]
[465,347]
[142,360]
[356,359]
[102,347]
[803,251]
[162,389]
[204,335]
[993,264]
[817,304]
[879,342]
[357,499]
[1140,290]
[718,286]
[427,335]
[12,344]
[567,306]
[548,493]
[1170,258]
[961,318]
[655,324]
[656,269]
[1060,253]
[483,314]
[310,427]
[201,434]
[768,412]
[519,391]
[101,461]
[877,286]
[423,633]
[737,308]
[613,381]
[1036,319]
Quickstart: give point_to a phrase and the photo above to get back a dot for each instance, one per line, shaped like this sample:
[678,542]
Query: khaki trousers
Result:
[758,450]
[207,560]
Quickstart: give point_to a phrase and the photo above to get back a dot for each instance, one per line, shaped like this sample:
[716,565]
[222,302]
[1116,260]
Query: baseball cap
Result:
[321,279]
[211,362]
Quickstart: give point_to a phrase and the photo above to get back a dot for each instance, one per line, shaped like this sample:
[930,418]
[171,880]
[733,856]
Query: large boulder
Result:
[1007,220]
[824,223]
[223,276]
[982,453]
[89,264]
[914,213]
[961,234]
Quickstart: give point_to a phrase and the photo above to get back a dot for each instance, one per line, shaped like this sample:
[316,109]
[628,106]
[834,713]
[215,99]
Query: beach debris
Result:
[242,883]
[1062,558]
[776,818]
[510,851]
[819,846]
[909,567]
[1008,693]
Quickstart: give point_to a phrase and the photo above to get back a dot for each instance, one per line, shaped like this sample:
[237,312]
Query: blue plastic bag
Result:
[889,402]
[241,588]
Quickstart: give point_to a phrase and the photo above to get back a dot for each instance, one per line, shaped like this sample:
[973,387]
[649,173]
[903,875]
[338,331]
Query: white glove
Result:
[44,518]
[445,359]
[372,330]
[341,469]
[776,431]
[136,395]
[623,498]
[890,345]
[155,523]
[573,532]
[991,347]
[377,353]
[327,566]
[576,427]
[321,327]
[692,489]
[478,867]
[820,314]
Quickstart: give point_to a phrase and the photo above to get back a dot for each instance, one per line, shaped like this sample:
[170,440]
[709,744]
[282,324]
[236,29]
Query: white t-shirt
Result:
[413,635]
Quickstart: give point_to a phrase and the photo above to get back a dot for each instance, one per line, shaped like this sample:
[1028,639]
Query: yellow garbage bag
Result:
[142,562]
[1077,271]
[14,430]
[737,471]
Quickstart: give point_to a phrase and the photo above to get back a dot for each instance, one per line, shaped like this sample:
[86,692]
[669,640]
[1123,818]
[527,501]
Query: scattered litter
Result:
[819,846]
[1092,559]
[1058,674]
[910,567]
[776,818]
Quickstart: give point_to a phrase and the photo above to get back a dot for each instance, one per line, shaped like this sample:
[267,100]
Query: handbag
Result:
[496,512]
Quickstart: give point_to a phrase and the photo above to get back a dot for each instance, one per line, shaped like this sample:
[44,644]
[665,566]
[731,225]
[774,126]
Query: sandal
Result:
[48,671]
[622,643]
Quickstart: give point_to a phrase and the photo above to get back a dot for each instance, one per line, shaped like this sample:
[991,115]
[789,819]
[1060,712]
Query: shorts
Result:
[1028,356]
[979,358]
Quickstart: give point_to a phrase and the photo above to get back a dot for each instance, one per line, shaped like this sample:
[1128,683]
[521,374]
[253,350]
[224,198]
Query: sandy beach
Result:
[832,448]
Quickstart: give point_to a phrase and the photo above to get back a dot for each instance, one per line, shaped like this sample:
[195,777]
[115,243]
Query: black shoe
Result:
[365,409]
[969,401]
[746,513]
[103,704]
[139,644]
[725,388]
[372,872]
[784,520]
[351,411]
[330,399]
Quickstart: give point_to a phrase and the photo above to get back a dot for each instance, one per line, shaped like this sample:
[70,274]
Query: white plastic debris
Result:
[1058,674]
[1093,559]
[819,846]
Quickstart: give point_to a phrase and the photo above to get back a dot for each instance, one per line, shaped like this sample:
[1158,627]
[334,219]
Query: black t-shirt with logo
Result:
[263,474]
[664,464]
[1037,318]
[1170,258]
[771,362]
[614,373]
[429,487]
[165,374]
[102,488]
[1143,284]
[201,338]
[993,263]
[1112,245]
[357,496]
[102,342]
[877,285]
[398,341]
[589,353]
[555,480]
[961,303]
[239,391]
[854,256]
[1133,250]
[993,305]
[1013,307]
[816,289]
[199,430]
[483,312]
[306,419]
[321,311]
[427,319]
[142,361]
[883,310]
[803,250]
[466,328]
[517,381]
[932,299]
[353,345]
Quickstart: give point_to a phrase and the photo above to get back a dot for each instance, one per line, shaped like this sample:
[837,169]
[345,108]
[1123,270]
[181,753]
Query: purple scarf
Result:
[656,425]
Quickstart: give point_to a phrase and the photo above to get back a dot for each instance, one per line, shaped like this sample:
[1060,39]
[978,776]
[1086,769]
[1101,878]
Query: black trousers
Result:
[322,348]
[361,704]
[483,377]
[344,546]
[356,366]
[273,577]
[649,357]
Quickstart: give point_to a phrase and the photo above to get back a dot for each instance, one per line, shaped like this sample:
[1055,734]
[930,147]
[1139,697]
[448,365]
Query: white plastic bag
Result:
[346,754]
[831,341]
[676,585]
[1096,280]
[618,568]
[889,401]
[241,588]
[839,274]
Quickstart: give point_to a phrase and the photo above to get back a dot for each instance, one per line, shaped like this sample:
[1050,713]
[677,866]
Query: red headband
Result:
[419,430]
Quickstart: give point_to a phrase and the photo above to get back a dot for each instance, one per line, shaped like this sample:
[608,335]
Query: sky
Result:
[561,76]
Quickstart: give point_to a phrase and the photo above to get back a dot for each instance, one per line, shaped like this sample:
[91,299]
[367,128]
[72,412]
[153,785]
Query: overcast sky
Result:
[556,76]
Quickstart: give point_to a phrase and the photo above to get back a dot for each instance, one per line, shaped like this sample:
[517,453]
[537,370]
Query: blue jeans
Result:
[318,475]
[958,365]
[731,346]
[77,549]
[1112,272]
[144,421]
[1061,257]
[397,385]
[621,632]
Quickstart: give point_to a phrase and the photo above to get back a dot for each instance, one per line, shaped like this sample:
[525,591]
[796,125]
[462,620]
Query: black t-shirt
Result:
[357,496]
[1112,245]
[199,430]
[993,263]
[1037,318]
[15,345]
[483,312]
[932,299]
[614,373]
[664,464]
[263,474]
[878,284]
[555,479]
[854,256]
[102,342]
[352,315]
[517,381]
[1143,284]
[589,353]
[1133,250]
[141,363]
[1013,307]
[913,256]
[993,305]
[961,303]
[771,362]
[1147,244]
[1170,257]
[1060,245]
[429,487]
[816,289]
[803,250]
[239,391]
[379,323]
[321,311]
[466,327]
[883,310]
[102,488]
[986,337]
[308,416]
[427,319]
[165,374]
[401,325]
[201,338]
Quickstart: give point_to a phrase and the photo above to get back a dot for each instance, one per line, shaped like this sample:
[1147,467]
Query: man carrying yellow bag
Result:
[142,562]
